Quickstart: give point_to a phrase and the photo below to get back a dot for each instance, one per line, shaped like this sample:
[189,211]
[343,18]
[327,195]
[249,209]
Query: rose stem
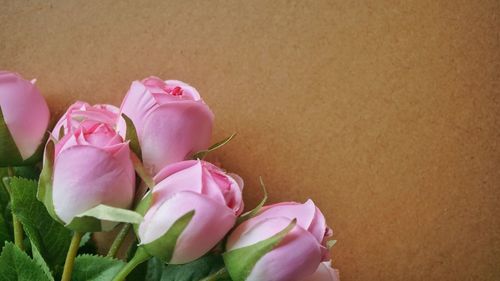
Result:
[18,227]
[140,256]
[120,237]
[70,257]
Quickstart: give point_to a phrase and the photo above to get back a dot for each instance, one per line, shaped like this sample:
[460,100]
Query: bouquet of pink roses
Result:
[140,168]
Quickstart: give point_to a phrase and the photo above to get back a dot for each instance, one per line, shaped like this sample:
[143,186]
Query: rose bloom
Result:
[214,195]
[171,120]
[298,254]
[26,116]
[92,167]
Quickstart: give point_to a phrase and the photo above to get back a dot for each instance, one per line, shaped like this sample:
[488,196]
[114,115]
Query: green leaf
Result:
[49,239]
[27,172]
[95,268]
[252,213]
[45,182]
[203,153]
[163,247]
[98,218]
[131,135]
[15,265]
[154,269]
[9,153]
[240,262]
[193,271]
[5,214]
[5,233]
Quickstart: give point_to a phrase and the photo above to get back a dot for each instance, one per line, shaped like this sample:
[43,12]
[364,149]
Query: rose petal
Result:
[25,112]
[174,131]
[208,226]
[86,176]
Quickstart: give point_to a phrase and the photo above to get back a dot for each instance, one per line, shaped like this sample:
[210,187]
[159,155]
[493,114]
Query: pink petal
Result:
[86,176]
[324,273]
[297,256]
[209,225]
[25,112]
[174,131]
[136,105]
[187,179]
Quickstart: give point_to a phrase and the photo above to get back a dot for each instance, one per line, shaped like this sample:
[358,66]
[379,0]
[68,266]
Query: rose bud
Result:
[90,166]
[171,120]
[285,241]
[81,111]
[325,272]
[24,117]
[184,187]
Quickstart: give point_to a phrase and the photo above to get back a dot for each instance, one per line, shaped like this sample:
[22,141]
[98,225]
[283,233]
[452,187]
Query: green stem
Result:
[120,237]
[18,227]
[222,274]
[140,256]
[70,257]
[18,232]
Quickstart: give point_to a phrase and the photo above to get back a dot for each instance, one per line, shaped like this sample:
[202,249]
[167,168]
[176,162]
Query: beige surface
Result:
[386,114]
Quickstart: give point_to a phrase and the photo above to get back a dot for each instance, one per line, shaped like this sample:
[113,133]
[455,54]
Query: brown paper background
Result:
[385,113]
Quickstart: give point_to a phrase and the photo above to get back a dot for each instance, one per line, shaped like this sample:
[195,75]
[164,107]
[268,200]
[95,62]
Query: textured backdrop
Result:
[386,114]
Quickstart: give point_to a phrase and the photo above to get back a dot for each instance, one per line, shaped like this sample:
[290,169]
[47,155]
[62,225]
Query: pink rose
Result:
[185,186]
[92,166]
[81,111]
[325,272]
[26,116]
[297,255]
[171,120]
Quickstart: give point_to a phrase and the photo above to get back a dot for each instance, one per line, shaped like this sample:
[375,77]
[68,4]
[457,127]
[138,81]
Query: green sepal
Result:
[85,224]
[9,153]
[204,268]
[145,203]
[330,243]
[142,172]
[163,247]
[131,135]
[142,208]
[240,262]
[44,193]
[61,133]
[203,153]
[255,211]
[99,218]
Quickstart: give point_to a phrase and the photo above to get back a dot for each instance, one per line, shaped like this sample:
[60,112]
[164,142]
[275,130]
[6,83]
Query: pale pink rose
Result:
[215,196]
[81,111]
[325,272]
[92,167]
[299,253]
[171,120]
[25,112]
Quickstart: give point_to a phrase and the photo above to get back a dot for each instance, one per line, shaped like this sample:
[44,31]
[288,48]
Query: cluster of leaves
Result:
[47,242]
